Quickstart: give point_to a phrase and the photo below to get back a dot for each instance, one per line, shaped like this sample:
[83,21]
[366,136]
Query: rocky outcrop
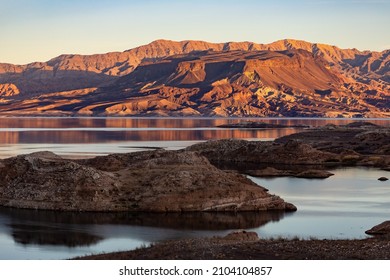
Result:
[290,153]
[273,172]
[314,174]
[7,90]
[45,181]
[356,142]
[157,181]
[381,229]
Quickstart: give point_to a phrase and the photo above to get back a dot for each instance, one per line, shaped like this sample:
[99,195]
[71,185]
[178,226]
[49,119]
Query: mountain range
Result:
[287,78]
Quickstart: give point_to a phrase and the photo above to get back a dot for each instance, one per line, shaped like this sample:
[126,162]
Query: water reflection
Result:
[20,122]
[96,136]
[208,221]
[72,229]
[86,137]
[104,130]
[51,235]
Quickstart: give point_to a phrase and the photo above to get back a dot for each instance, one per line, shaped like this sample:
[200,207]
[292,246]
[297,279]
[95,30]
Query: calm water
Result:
[342,206]
[98,136]
[74,137]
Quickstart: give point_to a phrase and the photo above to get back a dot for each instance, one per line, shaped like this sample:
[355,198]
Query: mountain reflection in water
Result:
[72,229]
[86,137]
[101,130]
[106,135]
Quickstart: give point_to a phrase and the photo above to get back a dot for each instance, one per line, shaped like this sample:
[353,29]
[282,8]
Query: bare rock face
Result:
[46,181]
[8,90]
[158,181]
[381,229]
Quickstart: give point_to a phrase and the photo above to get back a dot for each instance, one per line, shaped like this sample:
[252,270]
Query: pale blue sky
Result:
[37,30]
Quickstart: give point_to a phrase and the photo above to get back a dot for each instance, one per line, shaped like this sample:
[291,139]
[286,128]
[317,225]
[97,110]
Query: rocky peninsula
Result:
[153,181]
[305,154]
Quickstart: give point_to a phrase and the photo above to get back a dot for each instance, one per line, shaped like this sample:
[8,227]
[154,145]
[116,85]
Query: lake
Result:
[81,137]
[342,206]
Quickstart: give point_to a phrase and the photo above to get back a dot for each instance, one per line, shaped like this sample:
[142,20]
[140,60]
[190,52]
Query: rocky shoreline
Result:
[242,245]
[247,247]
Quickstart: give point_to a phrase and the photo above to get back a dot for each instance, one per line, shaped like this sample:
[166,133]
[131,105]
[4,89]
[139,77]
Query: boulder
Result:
[381,229]
[383,179]
[153,181]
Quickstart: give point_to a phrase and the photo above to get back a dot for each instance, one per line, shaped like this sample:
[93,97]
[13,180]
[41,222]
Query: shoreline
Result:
[217,248]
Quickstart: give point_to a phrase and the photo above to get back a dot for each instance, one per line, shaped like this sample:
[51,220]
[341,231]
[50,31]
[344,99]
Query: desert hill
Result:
[8,90]
[284,78]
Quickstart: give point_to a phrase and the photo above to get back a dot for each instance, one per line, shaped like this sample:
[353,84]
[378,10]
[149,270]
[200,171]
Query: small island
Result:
[260,125]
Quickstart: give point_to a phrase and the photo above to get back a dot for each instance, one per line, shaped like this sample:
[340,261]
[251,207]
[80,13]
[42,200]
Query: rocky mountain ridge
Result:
[284,78]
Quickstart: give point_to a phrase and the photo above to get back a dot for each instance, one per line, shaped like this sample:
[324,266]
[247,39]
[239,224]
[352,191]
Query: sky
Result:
[38,30]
